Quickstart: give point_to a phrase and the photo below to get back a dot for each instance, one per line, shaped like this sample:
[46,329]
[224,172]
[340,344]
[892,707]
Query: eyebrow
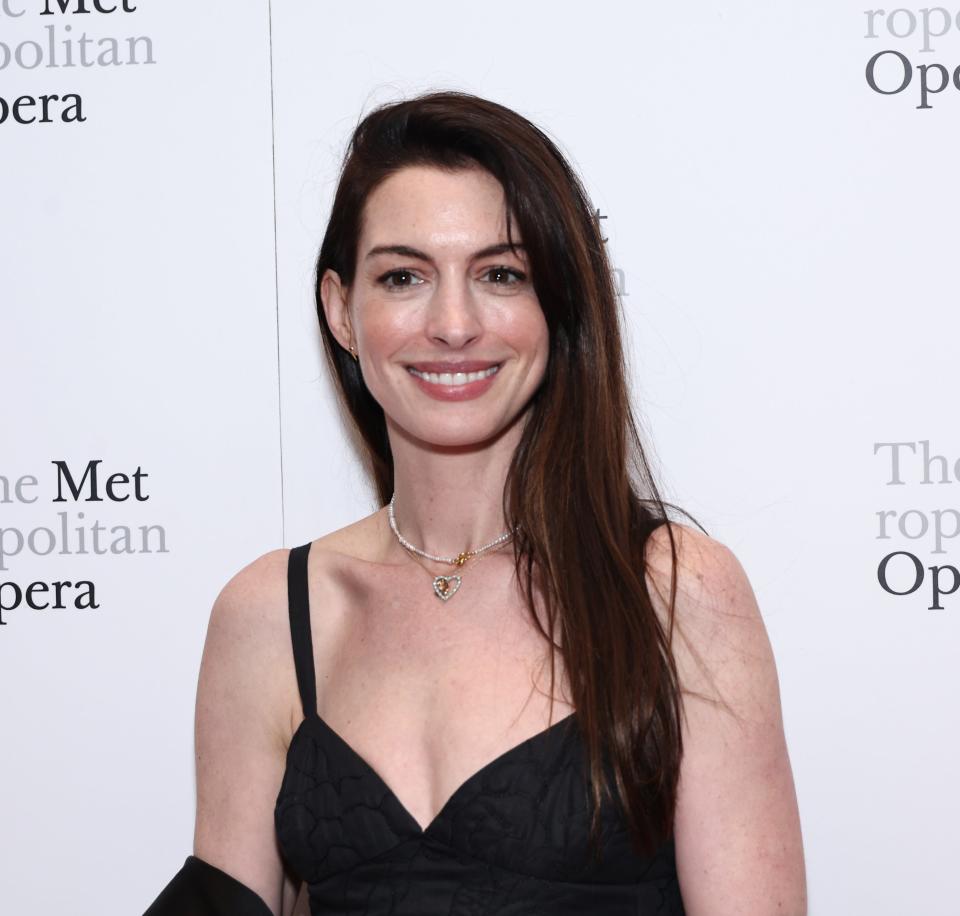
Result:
[408,252]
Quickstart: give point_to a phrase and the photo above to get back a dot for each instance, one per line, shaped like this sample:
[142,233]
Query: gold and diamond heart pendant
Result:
[446,586]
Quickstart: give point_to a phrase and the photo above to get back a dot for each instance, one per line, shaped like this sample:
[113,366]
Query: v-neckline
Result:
[417,829]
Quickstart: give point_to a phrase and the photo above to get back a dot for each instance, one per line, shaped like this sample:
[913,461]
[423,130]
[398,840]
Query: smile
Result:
[453,378]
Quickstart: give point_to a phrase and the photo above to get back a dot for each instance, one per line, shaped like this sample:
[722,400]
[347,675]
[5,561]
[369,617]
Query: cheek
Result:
[527,329]
[384,327]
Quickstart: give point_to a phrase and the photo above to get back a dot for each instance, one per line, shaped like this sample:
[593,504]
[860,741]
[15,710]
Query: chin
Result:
[452,437]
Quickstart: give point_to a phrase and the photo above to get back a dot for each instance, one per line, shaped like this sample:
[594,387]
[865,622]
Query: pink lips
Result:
[454,392]
[471,365]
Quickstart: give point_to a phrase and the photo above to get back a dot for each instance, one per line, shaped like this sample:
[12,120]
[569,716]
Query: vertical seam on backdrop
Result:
[276,276]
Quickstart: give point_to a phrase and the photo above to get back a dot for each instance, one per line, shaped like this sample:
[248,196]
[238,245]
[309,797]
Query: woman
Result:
[374,716]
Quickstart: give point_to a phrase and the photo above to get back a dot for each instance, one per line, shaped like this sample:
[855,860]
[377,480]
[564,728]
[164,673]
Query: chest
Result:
[427,692]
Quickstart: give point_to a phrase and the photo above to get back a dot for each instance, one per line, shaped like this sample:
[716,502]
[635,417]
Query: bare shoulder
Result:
[245,655]
[253,596]
[255,601]
[705,566]
[720,640]
[248,636]
[252,602]
[249,629]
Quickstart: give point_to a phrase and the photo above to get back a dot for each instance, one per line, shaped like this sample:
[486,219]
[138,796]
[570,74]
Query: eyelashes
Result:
[384,280]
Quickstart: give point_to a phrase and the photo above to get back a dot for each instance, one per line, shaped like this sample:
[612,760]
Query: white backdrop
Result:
[786,237]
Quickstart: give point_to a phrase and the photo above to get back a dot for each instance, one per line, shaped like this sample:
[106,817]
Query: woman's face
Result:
[435,293]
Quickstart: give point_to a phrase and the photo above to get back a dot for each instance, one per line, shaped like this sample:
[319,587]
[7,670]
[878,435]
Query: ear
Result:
[333,296]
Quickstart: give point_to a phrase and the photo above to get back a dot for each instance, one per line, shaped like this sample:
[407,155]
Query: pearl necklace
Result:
[444,587]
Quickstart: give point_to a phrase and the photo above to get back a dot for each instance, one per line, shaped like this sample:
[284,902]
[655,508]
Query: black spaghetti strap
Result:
[299,601]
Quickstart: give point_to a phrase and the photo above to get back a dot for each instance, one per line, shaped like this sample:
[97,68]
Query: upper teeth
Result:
[454,378]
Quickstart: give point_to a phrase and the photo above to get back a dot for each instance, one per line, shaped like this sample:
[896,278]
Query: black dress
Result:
[511,840]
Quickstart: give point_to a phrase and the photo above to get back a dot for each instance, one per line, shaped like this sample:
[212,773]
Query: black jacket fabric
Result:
[202,889]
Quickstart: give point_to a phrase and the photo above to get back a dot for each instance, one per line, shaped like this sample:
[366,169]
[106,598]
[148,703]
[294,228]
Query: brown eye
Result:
[393,274]
[503,272]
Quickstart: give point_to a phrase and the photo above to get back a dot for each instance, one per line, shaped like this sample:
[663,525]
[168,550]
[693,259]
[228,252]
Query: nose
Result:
[453,316]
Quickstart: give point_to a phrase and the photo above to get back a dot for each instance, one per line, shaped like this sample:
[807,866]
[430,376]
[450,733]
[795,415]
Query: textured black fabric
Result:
[511,840]
[202,889]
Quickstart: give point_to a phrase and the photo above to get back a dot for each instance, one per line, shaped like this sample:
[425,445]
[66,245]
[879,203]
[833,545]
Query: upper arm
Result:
[241,728]
[737,827]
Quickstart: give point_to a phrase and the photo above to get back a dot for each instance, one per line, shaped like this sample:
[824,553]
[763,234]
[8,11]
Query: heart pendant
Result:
[446,586]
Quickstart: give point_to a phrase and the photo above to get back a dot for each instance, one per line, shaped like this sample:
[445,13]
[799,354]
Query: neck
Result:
[449,499]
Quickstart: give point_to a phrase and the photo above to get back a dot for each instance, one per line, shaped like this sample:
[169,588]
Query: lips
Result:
[455,386]
[473,365]
[455,378]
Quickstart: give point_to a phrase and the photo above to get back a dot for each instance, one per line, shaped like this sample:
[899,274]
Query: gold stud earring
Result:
[354,354]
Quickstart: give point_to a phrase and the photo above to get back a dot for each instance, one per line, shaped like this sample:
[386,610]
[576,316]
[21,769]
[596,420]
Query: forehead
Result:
[429,204]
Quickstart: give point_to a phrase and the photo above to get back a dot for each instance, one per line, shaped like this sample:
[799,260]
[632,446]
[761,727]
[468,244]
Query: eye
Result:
[402,272]
[503,271]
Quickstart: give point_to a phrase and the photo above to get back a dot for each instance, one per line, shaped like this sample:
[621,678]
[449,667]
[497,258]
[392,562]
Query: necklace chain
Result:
[458,560]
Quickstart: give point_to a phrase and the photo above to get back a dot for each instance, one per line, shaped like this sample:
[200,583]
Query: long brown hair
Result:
[573,486]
